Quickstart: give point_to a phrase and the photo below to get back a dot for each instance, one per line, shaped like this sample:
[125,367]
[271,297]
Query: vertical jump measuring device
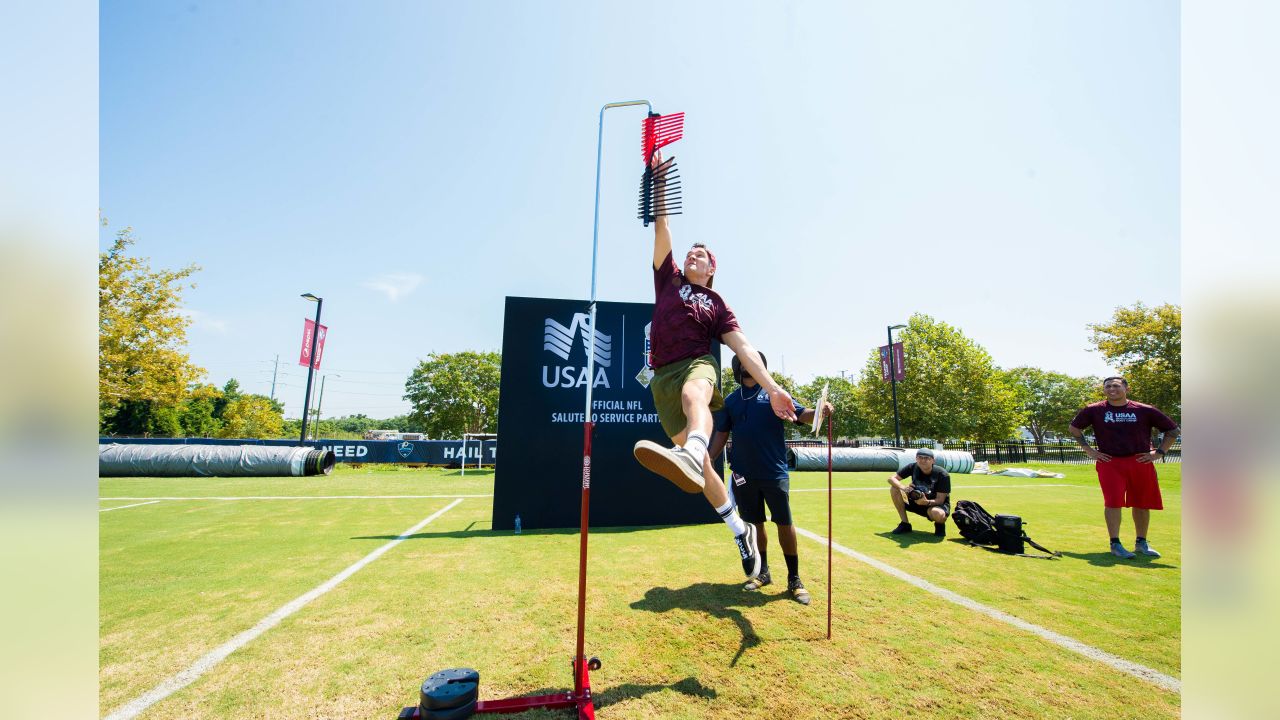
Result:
[817,425]
[453,694]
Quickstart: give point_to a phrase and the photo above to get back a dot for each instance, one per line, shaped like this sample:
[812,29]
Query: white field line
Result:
[301,497]
[220,653]
[121,507]
[882,489]
[1142,672]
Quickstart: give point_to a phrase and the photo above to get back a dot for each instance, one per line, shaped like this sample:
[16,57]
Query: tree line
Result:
[952,390]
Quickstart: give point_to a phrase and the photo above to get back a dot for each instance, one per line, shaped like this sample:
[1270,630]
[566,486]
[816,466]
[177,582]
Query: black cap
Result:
[736,364]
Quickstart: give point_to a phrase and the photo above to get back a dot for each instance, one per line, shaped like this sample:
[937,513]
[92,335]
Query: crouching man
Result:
[928,495]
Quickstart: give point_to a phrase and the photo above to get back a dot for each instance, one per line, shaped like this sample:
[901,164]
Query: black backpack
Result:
[976,524]
[1004,531]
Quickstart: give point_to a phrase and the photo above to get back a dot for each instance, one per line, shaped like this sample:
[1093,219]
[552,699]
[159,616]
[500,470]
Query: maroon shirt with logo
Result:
[686,317]
[1122,430]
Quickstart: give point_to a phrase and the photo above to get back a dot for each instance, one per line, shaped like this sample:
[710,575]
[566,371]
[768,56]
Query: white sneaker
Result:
[1119,551]
[1144,549]
[674,464]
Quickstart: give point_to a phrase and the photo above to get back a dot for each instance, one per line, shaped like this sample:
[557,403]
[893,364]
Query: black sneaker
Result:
[758,581]
[750,553]
[940,529]
[798,593]
[902,529]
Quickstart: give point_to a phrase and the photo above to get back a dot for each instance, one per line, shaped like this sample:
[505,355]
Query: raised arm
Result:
[661,231]
[779,399]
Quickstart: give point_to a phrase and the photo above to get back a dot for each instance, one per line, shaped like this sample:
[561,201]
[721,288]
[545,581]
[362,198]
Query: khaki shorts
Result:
[668,382]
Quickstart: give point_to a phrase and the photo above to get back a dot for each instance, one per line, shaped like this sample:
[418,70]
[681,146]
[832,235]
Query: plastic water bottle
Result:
[517,524]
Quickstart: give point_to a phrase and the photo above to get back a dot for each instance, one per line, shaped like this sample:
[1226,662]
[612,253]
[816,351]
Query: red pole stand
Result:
[579,656]
[830,438]
[580,696]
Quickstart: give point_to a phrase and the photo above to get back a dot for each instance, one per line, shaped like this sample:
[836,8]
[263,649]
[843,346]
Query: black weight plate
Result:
[457,713]
[455,675]
[436,692]
[448,695]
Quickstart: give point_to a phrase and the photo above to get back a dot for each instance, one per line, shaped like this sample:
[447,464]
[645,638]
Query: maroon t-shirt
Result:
[1125,430]
[686,317]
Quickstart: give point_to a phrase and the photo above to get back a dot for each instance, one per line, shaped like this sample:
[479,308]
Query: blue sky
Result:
[1010,168]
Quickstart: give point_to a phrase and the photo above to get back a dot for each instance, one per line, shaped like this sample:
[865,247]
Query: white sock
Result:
[696,446]
[736,526]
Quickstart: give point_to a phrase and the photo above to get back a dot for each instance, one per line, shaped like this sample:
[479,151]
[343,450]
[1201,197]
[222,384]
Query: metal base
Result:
[579,699]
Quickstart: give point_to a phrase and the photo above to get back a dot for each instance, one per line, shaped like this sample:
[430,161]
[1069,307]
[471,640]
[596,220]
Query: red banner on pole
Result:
[899,374]
[309,327]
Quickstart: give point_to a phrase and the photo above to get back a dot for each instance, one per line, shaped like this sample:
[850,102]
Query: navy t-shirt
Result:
[759,449]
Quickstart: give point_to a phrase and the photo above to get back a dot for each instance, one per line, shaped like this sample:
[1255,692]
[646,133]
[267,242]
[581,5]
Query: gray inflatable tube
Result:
[120,460]
[871,459]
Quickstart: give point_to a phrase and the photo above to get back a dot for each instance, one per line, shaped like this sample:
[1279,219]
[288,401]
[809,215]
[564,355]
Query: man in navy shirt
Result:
[759,463]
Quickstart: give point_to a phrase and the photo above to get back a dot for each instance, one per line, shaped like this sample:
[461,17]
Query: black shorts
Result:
[923,510]
[753,495]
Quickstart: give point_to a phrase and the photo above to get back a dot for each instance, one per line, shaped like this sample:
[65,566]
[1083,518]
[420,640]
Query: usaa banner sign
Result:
[542,403]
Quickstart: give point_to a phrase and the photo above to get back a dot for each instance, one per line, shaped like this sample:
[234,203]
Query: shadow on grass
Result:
[690,686]
[914,537]
[1106,559]
[716,600]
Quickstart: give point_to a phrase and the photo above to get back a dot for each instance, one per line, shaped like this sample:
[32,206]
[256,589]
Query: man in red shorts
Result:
[1124,459]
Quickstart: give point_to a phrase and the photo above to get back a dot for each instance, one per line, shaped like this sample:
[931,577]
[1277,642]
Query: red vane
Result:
[660,131]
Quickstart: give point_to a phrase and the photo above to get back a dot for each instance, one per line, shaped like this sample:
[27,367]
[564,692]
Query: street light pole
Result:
[311,366]
[320,403]
[893,384]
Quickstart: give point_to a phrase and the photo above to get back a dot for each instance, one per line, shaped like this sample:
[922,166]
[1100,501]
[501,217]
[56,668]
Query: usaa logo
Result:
[559,340]
[405,449]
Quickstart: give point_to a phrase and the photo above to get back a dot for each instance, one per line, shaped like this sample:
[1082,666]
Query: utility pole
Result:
[319,404]
[274,373]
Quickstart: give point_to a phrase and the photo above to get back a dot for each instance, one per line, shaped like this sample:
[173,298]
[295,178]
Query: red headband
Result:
[711,257]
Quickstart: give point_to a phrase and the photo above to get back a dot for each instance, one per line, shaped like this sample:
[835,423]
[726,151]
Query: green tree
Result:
[850,419]
[1145,345]
[455,393]
[1050,399]
[952,389]
[230,393]
[144,418]
[727,383]
[142,336]
[251,416]
[198,415]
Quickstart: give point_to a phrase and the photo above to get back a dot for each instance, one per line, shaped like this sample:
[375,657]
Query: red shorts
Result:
[1128,483]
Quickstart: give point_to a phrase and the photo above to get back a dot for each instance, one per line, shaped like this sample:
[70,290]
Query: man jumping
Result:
[687,316]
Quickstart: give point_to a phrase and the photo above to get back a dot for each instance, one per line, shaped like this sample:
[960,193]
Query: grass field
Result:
[666,613]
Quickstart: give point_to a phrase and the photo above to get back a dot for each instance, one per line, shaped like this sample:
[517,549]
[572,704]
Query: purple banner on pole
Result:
[898,372]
